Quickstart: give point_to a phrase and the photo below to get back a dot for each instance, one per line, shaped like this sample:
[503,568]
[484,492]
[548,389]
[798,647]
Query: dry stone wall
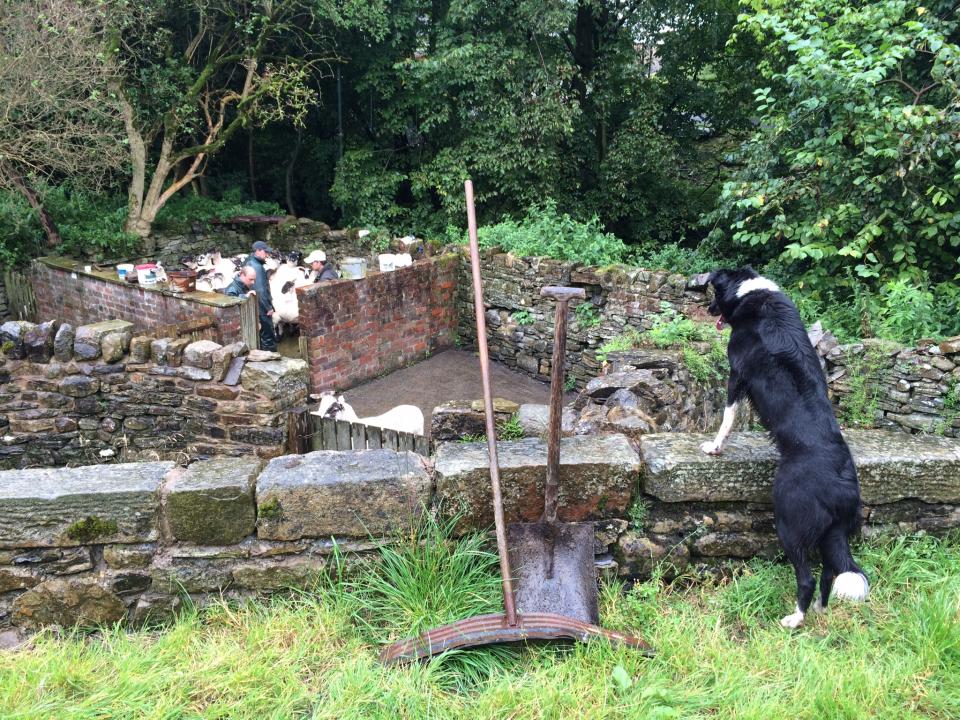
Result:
[871,383]
[133,542]
[99,392]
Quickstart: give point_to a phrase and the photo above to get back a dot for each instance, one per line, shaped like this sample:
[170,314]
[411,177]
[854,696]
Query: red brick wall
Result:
[87,298]
[359,329]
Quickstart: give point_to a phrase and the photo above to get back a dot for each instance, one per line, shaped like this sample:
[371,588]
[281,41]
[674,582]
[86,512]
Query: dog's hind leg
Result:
[847,580]
[805,589]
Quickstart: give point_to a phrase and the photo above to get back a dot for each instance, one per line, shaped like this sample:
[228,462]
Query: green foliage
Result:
[854,162]
[510,429]
[187,208]
[522,317]
[624,341]
[671,328]
[861,405]
[546,232]
[676,258]
[21,236]
[365,191]
[587,315]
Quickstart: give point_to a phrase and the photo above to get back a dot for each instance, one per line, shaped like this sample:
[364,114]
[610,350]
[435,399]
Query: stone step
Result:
[892,466]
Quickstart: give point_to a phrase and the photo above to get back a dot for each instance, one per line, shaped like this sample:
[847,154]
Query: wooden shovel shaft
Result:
[563,296]
[509,601]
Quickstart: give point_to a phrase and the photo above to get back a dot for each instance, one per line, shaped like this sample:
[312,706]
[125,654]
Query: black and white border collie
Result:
[816,496]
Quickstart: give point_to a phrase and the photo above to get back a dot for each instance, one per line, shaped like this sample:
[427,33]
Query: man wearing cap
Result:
[323,270]
[268,339]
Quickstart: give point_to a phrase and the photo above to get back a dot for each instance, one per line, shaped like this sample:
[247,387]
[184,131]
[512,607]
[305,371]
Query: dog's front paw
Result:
[793,620]
[711,448]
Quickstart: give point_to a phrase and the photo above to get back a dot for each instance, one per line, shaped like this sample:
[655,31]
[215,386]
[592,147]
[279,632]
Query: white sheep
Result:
[402,418]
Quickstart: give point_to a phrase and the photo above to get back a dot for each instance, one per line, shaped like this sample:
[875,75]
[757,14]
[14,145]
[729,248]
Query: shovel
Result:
[552,561]
[570,546]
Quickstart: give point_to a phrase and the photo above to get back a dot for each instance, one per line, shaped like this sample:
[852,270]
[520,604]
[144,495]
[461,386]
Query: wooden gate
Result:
[307,432]
[21,301]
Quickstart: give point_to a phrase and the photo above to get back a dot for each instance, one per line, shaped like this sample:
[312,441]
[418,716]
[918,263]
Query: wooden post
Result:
[358,436]
[343,435]
[374,438]
[298,431]
[329,433]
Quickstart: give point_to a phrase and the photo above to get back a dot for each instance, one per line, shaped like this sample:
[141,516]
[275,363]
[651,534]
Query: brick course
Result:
[360,329]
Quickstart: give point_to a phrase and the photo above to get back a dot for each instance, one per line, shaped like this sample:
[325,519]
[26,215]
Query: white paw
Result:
[711,448]
[793,621]
[817,607]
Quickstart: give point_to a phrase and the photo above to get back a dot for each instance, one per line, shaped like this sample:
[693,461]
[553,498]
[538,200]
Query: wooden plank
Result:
[390,438]
[21,300]
[233,372]
[329,426]
[343,435]
[405,441]
[422,446]
[187,327]
[358,436]
[315,434]
[374,438]
[249,323]
[304,350]
[298,431]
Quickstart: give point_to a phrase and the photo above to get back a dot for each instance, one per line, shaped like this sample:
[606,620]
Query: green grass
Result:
[720,651]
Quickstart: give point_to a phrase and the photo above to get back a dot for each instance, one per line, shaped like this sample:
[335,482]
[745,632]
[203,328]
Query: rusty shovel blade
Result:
[553,569]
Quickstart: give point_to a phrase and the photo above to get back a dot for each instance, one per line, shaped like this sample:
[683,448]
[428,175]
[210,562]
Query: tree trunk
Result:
[289,178]
[250,166]
[25,189]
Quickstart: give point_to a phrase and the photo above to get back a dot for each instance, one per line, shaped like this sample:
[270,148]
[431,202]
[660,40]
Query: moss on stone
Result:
[91,528]
[270,510]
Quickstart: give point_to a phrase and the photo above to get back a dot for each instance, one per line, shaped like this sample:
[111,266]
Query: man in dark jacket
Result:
[268,339]
[320,269]
[242,283]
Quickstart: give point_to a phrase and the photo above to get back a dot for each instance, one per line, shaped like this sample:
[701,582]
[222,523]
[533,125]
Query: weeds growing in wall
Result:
[860,406]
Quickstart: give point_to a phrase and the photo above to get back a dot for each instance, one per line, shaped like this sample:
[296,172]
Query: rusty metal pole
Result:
[509,601]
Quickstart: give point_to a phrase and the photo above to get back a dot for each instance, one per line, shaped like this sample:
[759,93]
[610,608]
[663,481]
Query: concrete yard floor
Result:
[448,375]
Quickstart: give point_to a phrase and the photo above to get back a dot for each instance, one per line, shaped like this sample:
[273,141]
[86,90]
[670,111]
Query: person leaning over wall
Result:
[320,268]
[268,339]
[243,283]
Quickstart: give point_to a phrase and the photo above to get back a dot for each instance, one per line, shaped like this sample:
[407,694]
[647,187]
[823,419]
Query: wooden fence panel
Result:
[21,301]
[307,432]
[390,439]
[358,436]
[343,435]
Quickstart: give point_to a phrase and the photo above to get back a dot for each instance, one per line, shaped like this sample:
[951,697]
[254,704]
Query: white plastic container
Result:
[147,274]
[124,269]
[387,262]
[353,268]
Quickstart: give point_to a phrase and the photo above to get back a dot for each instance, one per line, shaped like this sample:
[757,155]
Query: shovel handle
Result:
[563,296]
[506,575]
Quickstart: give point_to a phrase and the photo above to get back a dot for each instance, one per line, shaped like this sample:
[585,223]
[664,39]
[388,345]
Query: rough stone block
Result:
[275,378]
[88,339]
[140,348]
[128,556]
[44,507]
[222,358]
[277,575]
[200,354]
[14,578]
[458,418]
[189,372]
[38,341]
[63,342]
[114,345]
[78,386]
[12,336]
[891,466]
[534,419]
[349,494]
[67,603]
[638,554]
[598,477]
[211,503]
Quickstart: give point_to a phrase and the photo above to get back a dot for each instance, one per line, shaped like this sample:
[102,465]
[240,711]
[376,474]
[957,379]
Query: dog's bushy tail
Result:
[851,586]
[851,581]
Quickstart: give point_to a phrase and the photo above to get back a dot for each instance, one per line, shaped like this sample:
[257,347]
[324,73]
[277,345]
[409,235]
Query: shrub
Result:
[548,233]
